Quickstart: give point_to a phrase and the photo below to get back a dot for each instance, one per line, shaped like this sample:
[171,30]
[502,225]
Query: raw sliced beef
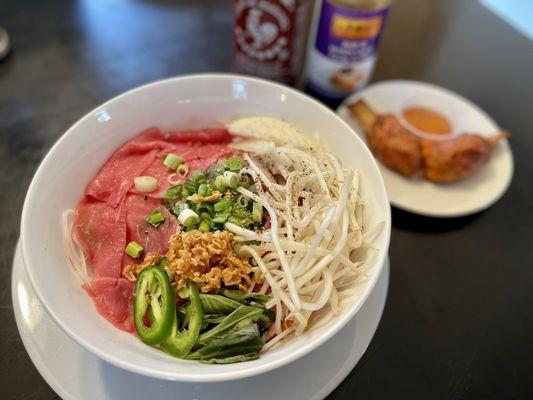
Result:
[200,136]
[115,178]
[154,240]
[113,299]
[101,229]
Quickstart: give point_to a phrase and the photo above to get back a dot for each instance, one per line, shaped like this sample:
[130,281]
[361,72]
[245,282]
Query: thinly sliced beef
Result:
[209,154]
[138,155]
[196,158]
[200,136]
[115,178]
[113,299]
[154,240]
[101,229]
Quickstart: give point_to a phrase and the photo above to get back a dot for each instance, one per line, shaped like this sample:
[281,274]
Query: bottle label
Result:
[344,54]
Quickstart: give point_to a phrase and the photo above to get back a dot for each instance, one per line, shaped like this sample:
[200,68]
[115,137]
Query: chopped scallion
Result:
[242,201]
[133,249]
[145,184]
[178,208]
[203,190]
[231,179]
[173,192]
[182,170]
[240,212]
[220,218]
[223,205]
[193,197]
[172,161]
[220,183]
[257,212]
[205,208]
[198,177]
[188,218]
[191,186]
[204,226]
[156,218]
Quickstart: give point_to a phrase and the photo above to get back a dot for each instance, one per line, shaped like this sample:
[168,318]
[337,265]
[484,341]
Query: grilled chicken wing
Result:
[455,159]
[441,161]
[390,142]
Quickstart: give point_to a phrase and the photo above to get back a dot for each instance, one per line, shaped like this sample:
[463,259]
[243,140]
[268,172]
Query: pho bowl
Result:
[188,102]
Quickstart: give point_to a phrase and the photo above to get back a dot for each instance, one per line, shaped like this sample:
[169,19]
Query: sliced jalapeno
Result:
[179,344]
[155,303]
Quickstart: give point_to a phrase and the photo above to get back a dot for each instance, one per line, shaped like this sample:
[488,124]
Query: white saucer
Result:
[77,374]
[475,193]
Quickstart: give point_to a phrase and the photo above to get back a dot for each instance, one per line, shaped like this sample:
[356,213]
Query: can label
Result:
[269,37]
[344,54]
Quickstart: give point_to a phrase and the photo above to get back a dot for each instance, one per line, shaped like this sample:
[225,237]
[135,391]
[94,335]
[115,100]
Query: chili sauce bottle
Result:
[270,37]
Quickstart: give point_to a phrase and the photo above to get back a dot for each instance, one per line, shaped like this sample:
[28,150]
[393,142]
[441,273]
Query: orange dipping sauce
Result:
[427,120]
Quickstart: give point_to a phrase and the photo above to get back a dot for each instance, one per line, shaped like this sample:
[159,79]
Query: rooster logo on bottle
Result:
[262,31]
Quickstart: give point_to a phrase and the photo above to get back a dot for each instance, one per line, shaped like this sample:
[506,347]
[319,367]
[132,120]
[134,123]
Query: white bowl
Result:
[194,101]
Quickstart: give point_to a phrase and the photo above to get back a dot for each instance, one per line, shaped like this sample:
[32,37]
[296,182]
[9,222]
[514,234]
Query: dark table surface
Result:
[459,317]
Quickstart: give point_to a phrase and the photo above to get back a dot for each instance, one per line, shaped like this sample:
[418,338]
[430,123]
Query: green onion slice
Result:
[242,201]
[198,177]
[191,186]
[188,218]
[203,190]
[204,226]
[223,205]
[133,249]
[182,170]
[220,183]
[172,161]
[156,218]
[257,212]
[231,179]
[173,193]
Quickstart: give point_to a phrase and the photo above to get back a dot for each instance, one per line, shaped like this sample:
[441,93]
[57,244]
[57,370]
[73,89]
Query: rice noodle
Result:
[74,249]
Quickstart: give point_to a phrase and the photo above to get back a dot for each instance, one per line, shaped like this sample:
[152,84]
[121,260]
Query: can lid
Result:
[4,43]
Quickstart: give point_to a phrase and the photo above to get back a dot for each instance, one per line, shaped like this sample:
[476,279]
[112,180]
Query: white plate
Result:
[475,193]
[74,373]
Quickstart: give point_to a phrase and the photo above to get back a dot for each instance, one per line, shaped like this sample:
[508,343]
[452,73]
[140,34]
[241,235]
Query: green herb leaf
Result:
[241,296]
[240,314]
[233,343]
[216,304]
[233,359]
